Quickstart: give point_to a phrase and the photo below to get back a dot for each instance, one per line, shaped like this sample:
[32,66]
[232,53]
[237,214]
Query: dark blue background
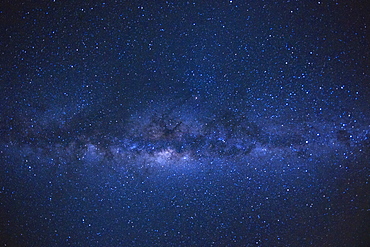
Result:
[202,123]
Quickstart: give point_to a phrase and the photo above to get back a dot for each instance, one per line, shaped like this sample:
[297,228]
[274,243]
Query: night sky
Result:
[174,123]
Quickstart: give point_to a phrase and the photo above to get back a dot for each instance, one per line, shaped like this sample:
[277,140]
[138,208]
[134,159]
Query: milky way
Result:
[184,124]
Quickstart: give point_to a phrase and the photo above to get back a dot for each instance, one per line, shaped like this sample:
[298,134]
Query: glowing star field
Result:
[184,123]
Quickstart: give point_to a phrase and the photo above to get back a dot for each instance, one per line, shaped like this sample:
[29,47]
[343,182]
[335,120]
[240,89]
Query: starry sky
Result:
[184,123]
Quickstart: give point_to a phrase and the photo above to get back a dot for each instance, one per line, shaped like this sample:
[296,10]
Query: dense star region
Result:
[184,123]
